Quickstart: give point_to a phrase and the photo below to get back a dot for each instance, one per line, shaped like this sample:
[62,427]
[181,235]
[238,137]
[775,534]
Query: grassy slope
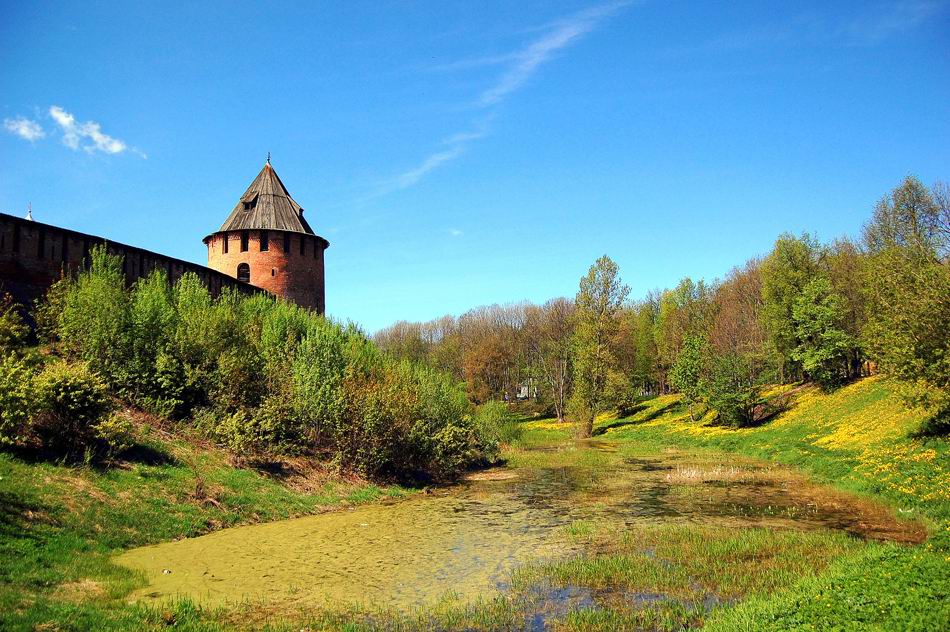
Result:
[859,438]
[59,525]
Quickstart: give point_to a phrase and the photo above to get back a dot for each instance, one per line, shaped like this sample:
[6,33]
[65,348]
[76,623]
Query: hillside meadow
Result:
[844,454]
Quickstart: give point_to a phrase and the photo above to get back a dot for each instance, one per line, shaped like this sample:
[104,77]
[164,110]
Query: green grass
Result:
[60,525]
[859,438]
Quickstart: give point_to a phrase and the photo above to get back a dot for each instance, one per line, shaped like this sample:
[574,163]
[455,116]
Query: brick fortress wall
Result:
[291,265]
[34,255]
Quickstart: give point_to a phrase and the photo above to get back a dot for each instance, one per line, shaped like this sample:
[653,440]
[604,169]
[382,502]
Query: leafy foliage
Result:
[686,375]
[823,346]
[599,300]
[71,400]
[16,400]
[262,376]
[908,291]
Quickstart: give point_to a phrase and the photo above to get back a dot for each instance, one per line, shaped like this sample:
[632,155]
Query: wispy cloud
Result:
[410,177]
[455,232]
[892,19]
[530,58]
[88,136]
[24,128]
[520,65]
[874,24]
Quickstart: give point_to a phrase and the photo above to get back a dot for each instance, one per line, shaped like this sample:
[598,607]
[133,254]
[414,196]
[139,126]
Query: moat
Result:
[467,539]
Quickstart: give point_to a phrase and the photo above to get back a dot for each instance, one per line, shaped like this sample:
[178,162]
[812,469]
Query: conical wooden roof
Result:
[267,205]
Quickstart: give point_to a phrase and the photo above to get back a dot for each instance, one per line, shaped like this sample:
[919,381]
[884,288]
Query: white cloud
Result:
[522,64]
[87,136]
[532,56]
[455,232]
[892,19]
[24,128]
[409,178]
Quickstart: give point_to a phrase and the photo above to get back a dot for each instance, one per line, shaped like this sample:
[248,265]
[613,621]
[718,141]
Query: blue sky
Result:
[458,154]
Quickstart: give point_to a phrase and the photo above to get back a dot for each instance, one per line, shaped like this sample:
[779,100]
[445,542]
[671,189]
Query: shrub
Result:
[48,310]
[13,332]
[95,323]
[16,400]
[494,424]
[115,433]
[731,390]
[454,449]
[70,400]
[263,376]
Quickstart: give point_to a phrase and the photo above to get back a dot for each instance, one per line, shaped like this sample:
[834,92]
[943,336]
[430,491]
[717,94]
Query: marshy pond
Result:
[468,538]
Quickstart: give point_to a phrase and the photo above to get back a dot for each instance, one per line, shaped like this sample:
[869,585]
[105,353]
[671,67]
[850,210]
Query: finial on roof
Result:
[29,211]
[268,157]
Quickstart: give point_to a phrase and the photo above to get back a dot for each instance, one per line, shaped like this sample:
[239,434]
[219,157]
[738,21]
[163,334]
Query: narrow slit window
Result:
[265,242]
[303,245]
[224,244]
[244,239]
[287,243]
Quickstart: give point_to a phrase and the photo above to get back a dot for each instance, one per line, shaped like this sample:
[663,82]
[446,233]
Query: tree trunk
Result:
[587,427]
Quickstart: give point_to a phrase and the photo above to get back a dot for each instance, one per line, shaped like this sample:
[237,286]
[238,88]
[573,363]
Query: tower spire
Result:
[268,157]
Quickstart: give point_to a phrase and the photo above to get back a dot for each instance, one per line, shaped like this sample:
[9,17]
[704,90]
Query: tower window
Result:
[287,243]
[244,273]
[244,239]
[265,244]
[224,243]
[303,245]
[273,271]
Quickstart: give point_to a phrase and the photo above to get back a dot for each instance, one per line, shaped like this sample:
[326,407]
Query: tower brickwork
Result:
[266,242]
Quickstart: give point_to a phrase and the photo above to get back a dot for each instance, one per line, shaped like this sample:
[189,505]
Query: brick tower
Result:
[266,242]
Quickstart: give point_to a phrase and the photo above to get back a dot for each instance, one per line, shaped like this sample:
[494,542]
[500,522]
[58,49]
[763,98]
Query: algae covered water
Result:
[467,539]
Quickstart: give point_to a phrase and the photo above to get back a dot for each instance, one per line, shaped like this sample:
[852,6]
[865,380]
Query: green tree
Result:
[682,311]
[13,331]
[823,346]
[95,324]
[733,389]
[598,303]
[791,265]
[686,375]
[908,292]
[911,217]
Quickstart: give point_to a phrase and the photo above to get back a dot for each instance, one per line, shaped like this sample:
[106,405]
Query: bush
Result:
[13,332]
[495,424]
[731,391]
[115,433]
[455,448]
[16,400]
[260,375]
[71,400]
[95,323]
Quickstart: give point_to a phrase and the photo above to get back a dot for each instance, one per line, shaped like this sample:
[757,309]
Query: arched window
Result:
[244,273]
